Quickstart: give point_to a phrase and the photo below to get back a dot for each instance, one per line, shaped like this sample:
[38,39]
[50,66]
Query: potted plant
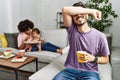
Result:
[106,8]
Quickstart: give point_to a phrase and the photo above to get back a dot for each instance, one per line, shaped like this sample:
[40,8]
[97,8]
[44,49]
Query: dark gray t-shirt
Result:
[93,42]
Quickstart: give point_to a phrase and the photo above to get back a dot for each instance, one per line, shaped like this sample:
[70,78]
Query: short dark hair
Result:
[25,25]
[36,30]
[79,4]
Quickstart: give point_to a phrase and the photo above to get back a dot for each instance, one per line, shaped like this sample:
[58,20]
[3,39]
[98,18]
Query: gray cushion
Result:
[11,39]
[109,39]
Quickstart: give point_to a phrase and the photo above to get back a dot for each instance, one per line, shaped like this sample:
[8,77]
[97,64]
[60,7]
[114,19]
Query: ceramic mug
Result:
[81,56]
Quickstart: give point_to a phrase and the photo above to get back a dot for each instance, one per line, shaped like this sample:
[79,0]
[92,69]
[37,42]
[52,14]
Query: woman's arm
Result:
[21,39]
[22,45]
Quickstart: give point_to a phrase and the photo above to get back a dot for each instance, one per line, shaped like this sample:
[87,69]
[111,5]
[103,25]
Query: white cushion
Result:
[55,36]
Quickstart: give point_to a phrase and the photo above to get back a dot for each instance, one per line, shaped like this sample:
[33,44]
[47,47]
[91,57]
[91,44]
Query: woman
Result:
[25,28]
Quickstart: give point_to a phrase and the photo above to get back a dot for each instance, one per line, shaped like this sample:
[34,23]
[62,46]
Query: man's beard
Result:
[81,24]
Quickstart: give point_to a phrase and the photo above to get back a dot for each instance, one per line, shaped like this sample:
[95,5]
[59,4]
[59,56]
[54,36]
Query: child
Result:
[35,41]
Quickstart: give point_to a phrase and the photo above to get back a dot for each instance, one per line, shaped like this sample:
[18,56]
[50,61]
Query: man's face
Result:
[80,19]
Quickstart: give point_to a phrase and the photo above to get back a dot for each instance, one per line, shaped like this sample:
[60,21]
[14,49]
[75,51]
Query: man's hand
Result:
[96,14]
[101,60]
[90,57]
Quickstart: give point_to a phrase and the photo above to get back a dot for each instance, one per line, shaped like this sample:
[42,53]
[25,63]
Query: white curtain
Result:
[9,16]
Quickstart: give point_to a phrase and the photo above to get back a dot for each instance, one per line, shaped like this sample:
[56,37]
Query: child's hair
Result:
[36,30]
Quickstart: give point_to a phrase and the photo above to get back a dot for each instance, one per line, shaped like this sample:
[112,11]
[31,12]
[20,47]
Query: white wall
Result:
[6,16]
[43,14]
[2,16]
[24,9]
[48,10]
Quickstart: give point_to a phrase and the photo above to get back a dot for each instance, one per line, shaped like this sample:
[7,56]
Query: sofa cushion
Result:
[51,34]
[11,39]
[3,40]
[44,56]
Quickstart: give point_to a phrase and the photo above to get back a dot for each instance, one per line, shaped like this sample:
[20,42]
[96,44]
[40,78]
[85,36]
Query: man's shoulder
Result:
[72,27]
[98,33]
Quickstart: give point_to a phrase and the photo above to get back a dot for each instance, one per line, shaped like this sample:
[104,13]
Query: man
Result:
[82,37]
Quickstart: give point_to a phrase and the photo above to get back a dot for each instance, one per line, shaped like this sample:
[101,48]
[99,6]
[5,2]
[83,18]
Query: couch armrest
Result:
[115,55]
[115,62]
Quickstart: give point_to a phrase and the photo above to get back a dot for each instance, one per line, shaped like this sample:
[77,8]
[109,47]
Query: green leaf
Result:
[106,9]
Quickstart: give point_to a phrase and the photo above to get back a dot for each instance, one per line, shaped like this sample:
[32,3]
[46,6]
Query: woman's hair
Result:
[25,25]
[36,30]
[79,4]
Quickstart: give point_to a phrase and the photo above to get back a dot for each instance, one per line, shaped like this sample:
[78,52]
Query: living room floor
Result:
[7,74]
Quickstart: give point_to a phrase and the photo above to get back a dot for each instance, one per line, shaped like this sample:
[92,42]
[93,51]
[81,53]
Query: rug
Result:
[8,74]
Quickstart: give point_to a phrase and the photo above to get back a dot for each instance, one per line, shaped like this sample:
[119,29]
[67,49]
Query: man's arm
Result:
[103,60]
[68,12]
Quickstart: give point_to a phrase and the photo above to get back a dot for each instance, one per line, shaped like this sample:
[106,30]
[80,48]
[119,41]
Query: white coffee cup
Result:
[21,53]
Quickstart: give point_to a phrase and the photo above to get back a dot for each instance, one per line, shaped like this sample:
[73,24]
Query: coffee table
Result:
[6,63]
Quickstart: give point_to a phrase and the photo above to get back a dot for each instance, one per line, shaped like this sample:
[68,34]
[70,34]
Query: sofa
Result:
[50,63]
